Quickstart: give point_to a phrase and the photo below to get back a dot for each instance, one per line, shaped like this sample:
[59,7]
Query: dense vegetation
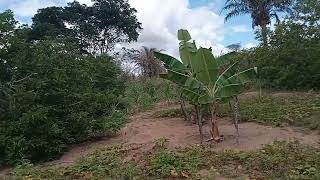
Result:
[52,91]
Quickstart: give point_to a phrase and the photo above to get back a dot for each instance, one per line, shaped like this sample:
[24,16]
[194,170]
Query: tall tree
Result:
[7,30]
[261,12]
[49,23]
[96,28]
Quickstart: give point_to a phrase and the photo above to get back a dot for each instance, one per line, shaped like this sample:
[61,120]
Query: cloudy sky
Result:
[162,18]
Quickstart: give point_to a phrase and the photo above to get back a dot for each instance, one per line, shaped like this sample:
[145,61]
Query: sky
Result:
[162,18]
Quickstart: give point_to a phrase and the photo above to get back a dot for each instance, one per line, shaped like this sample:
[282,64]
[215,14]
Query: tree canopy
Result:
[96,28]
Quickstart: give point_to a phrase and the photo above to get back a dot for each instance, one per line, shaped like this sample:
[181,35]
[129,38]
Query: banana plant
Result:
[200,77]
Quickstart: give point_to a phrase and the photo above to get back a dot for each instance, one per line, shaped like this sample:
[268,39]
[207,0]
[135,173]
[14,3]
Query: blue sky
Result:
[233,37]
[237,30]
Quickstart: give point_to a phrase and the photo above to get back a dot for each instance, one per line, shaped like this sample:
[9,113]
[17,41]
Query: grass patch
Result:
[103,164]
[183,163]
[142,94]
[302,109]
[291,109]
[280,160]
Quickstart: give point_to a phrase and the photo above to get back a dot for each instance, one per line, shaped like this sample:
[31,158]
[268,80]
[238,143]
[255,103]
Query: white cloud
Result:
[87,2]
[241,29]
[27,8]
[161,20]
[250,45]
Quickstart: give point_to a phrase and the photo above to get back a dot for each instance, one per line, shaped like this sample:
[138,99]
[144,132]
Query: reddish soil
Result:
[144,130]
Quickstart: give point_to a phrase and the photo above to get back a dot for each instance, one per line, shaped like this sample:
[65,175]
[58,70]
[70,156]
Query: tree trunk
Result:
[184,110]
[264,34]
[214,125]
[199,119]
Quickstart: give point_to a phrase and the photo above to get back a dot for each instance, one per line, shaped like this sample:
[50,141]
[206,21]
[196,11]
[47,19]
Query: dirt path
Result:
[144,130]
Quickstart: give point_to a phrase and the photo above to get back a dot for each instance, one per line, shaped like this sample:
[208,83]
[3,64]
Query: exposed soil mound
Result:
[144,130]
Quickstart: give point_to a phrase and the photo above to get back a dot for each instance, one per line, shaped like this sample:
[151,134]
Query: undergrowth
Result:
[281,110]
[144,93]
[103,164]
[280,160]
[299,109]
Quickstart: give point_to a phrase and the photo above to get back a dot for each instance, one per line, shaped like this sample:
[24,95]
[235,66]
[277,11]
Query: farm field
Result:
[159,89]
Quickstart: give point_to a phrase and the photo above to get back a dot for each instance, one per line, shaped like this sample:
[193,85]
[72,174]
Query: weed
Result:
[161,143]
[103,164]
[172,113]
[291,109]
[177,164]
[280,160]
[143,94]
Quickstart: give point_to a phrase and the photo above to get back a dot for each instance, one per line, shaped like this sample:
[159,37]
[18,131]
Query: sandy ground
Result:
[144,130]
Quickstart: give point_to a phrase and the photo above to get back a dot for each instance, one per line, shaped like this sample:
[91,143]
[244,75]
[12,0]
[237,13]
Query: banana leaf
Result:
[171,62]
[187,49]
[205,67]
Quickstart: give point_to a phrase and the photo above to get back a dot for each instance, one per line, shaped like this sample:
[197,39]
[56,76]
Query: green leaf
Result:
[170,62]
[205,67]
[182,80]
[183,35]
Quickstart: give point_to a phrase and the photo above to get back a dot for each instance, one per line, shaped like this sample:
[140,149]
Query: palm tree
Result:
[261,12]
[147,62]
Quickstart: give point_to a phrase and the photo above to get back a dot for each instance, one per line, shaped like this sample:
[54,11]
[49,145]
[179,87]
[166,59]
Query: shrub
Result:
[57,97]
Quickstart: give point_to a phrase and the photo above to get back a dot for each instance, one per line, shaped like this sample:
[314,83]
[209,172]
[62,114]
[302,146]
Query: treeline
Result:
[57,84]
[291,58]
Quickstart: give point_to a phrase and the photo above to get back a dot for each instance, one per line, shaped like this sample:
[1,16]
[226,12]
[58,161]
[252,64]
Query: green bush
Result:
[57,96]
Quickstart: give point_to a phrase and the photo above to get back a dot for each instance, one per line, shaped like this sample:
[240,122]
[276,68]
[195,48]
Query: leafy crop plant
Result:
[204,80]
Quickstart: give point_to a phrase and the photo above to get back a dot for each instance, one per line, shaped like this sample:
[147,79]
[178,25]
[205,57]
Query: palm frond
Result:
[276,17]
[236,12]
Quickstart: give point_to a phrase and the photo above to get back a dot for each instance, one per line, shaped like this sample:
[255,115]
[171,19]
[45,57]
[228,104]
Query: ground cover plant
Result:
[280,160]
[280,109]
[275,109]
